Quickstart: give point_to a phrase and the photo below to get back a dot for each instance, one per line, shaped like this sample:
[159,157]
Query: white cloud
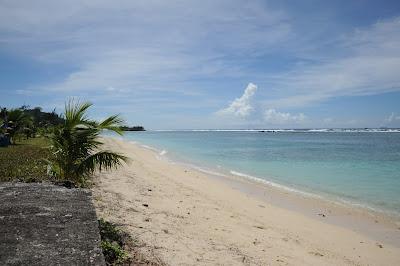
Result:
[391,118]
[139,46]
[364,63]
[241,107]
[274,117]
[244,106]
[167,52]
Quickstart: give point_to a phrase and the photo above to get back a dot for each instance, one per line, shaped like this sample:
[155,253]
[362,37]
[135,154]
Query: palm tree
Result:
[76,145]
[16,122]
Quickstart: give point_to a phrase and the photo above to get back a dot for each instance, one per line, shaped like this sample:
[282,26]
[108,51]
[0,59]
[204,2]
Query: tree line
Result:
[74,139]
[25,121]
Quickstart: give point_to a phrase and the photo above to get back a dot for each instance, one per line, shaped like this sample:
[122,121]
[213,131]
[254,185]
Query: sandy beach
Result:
[182,216]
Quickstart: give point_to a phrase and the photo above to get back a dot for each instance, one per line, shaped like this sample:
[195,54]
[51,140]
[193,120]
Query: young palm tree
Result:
[76,145]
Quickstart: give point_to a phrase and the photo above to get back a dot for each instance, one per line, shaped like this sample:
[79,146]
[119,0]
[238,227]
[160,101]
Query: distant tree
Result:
[17,121]
[77,147]
[134,128]
[3,113]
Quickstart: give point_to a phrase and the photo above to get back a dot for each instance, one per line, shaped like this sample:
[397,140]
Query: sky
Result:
[206,64]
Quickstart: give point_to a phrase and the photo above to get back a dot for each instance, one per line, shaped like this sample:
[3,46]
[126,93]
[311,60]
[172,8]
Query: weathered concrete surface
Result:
[42,224]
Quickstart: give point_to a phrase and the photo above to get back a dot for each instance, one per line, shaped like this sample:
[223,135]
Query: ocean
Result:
[356,167]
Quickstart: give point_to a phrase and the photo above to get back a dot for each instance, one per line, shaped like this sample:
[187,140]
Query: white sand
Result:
[195,219]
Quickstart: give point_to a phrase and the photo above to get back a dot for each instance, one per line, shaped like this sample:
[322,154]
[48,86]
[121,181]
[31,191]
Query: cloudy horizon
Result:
[208,64]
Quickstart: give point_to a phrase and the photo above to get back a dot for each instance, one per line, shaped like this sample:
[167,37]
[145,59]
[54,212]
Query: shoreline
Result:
[255,185]
[217,171]
[338,222]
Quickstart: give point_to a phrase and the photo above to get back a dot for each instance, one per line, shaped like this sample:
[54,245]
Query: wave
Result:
[206,171]
[311,130]
[332,198]
[220,171]
[273,184]
[149,148]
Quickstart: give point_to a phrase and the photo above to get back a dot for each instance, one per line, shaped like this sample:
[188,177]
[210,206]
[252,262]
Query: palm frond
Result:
[112,123]
[75,113]
[76,145]
[103,160]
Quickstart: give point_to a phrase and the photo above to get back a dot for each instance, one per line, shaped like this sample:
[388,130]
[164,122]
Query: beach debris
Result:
[321,214]
[147,220]
[145,205]
[259,227]
[166,231]
[379,245]
[316,253]
[149,189]
[130,209]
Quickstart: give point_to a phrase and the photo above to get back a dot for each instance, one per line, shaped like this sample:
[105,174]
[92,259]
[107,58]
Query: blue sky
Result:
[207,64]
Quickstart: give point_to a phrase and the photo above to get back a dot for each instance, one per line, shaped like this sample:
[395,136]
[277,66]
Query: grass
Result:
[117,244]
[25,161]
[113,241]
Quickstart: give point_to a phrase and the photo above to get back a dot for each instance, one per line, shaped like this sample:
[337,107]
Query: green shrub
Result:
[76,145]
[113,253]
[110,232]
[112,243]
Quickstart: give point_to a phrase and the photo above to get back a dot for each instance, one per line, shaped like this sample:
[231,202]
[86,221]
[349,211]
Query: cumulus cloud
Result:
[241,107]
[391,118]
[244,106]
[272,116]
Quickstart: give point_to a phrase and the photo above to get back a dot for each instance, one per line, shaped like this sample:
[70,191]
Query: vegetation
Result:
[25,162]
[46,146]
[134,128]
[113,241]
[69,147]
[76,145]
[26,122]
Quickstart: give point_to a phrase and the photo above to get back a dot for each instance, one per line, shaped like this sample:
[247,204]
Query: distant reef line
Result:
[134,128]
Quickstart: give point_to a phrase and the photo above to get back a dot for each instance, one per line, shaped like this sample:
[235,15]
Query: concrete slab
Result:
[43,224]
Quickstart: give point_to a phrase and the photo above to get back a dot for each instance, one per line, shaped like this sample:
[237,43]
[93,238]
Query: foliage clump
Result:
[23,121]
[112,243]
[76,145]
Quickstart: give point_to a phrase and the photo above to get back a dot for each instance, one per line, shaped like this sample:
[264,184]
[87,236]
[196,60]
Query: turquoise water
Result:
[360,168]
